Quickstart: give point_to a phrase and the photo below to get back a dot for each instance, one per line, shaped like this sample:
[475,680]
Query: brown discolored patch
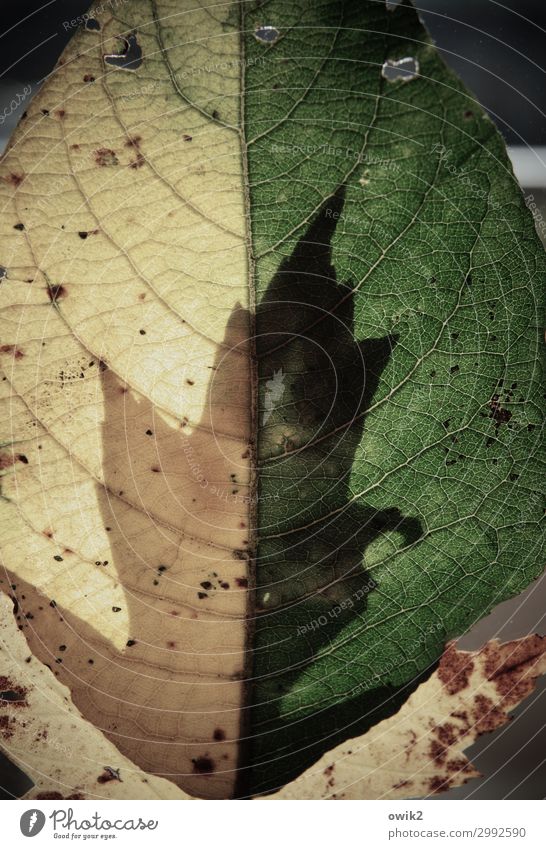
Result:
[56,293]
[438,784]
[105,777]
[460,714]
[447,734]
[12,349]
[11,693]
[487,715]
[6,726]
[54,794]
[498,414]
[61,113]
[455,669]
[105,157]
[89,78]
[138,162]
[437,752]
[242,582]
[459,765]
[6,460]
[510,665]
[219,734]
[134,141]
[14,179]
[203,765]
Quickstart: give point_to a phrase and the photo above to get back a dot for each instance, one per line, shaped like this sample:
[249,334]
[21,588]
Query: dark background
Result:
[499,51]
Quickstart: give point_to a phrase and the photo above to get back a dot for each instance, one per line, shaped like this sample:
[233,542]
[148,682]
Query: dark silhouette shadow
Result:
[316,383]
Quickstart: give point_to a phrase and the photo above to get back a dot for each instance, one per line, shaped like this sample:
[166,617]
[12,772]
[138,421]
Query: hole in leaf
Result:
[130,57]
[403,70]
[266,34]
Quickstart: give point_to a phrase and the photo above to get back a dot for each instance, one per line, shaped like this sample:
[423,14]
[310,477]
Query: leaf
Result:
[270,344]
[47,737]
[419,751]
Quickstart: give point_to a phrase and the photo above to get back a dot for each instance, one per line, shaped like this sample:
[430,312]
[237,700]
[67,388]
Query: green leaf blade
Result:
[426,497]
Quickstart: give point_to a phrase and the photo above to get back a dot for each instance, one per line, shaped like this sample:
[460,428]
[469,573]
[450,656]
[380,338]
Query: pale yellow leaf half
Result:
[125,402]
[419,751]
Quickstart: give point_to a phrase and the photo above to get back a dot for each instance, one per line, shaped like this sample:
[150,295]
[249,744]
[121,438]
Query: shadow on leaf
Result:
[313,531]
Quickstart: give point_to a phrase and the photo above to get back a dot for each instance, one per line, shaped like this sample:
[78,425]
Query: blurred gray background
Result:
[499,50]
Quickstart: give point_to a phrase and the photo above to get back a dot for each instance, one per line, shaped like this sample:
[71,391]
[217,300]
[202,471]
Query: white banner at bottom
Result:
[264,824]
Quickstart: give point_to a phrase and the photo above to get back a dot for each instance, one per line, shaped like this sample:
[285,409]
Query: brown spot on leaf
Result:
[138,162]
[203,765]
[459,765]
[6,461]
[498,414]
[401,784]
[14,179]
[12,693]
[437,752]
[455,669]
[437,784]
[219,734]
[12,349]
[447,734]
[6,726]
[487,715]
[56,293]
[105,157]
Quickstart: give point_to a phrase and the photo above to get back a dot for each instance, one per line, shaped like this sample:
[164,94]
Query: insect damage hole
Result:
[266,34]
[404,70]
[130,56]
